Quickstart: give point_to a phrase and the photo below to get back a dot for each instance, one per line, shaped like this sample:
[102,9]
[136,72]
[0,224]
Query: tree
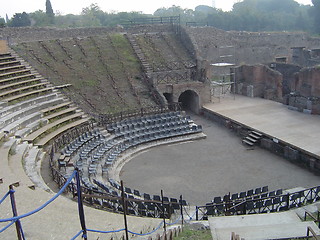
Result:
[315,12]
[20,20]
[92,16]
[2,23]
[49,11]
[40,18]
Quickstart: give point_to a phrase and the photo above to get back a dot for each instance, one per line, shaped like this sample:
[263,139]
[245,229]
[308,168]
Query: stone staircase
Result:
[261,226]
[147,69]
[146,66]
[252,139]
[31,107]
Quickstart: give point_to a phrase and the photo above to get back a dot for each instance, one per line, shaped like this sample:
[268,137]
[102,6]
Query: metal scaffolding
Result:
[223,73]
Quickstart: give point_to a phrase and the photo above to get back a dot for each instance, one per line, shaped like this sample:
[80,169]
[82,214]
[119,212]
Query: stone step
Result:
[14,126]
[273,231]
[15,164]
[259,226]
[7,69]
[52,135]
[29,94]
[30,138]
[248,142]
[24,71]
[60,113]
[30,128]
[24,112]
[18,90]
[31,165]
[9,62]
[25,104]
[257,133]
[256,137]
[254,219]
[250,139]
[6,80]
[20,83]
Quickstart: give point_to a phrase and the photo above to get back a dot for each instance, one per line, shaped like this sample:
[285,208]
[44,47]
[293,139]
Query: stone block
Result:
[307,111]
[309,105]
[292,108]
[266,143]
[291,154]
[250,91]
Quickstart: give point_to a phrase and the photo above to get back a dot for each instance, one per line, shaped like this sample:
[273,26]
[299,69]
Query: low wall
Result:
[297,156]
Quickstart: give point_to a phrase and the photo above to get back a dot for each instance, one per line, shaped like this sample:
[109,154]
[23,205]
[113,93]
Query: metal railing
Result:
[104,119]
[258,204]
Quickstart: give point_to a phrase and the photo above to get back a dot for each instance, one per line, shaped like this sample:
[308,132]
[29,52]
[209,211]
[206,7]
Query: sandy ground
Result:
[203,169]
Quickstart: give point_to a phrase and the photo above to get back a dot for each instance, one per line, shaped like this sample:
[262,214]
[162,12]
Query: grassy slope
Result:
[103,71]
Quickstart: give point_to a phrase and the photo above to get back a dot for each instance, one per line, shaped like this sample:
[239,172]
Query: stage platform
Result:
[273,119]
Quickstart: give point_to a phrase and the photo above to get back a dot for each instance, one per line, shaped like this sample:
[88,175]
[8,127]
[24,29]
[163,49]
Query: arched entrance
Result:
[189,100]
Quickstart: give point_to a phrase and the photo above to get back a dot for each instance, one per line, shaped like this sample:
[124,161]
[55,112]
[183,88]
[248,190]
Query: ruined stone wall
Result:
[308,82]
[30,34]
[305,89]
[288,71]
[258,81]
[249,48]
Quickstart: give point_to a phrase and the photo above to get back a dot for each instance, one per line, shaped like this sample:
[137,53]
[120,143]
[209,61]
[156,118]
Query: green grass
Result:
[189,234]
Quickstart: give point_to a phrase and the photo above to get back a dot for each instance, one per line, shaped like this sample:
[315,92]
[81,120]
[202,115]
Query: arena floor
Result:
[214,166]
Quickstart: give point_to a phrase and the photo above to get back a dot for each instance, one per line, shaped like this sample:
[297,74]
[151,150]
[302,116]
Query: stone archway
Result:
[189,100]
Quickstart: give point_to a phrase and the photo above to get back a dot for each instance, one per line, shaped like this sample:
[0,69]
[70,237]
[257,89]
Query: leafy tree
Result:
[315,12]
[20,20]
[49,11]
[91,16]
[2,23]
[40,18]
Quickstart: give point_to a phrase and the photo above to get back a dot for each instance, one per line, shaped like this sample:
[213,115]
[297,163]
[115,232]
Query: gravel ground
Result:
[215,166]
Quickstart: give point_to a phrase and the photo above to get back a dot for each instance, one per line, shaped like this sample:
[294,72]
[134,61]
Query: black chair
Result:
[265,189]
[235,196]
[136,192]
[258,190]
[127,190]
[217,200]
[272,194]
[249,192]
[146,196]
[243,195]
[156,198]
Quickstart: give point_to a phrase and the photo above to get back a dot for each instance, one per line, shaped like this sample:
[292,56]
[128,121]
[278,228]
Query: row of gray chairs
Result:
[73,147]
[144,121]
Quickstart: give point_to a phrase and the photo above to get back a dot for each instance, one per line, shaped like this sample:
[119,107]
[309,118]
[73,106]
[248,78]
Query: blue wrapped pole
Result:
[20,233]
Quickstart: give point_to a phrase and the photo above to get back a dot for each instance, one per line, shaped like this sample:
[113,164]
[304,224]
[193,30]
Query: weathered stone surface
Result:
[308,82]
[259,81]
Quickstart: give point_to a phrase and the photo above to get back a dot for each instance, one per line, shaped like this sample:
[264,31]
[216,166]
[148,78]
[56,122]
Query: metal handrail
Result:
[310,230]
[317,220]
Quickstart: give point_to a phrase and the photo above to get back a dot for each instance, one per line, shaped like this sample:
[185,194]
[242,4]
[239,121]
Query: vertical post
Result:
[163,212]
[181,210]
[80,206]
[234,83]
[15,213]
[124,206]
[197,214]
